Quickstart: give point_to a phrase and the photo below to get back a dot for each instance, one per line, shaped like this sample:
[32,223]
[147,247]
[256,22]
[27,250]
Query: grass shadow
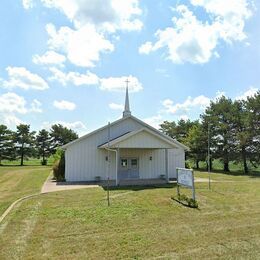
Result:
[140,187]
[184,204]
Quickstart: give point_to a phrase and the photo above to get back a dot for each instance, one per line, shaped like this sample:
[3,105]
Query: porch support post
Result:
[166,165]
[117,164]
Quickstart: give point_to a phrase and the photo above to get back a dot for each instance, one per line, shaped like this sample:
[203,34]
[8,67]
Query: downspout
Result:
[112,150]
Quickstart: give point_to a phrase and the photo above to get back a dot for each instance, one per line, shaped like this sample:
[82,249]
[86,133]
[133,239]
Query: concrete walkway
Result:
[51,185]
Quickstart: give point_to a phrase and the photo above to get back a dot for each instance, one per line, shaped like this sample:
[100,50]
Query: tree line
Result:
[24,143]
[230,128]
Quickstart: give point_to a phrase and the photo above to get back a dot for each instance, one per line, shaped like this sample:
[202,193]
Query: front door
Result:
[129,168]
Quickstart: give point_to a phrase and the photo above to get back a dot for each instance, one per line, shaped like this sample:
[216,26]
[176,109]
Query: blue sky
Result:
[67,61]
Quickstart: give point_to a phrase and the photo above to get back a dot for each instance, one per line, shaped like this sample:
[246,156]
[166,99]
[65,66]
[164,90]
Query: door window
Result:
[134,163]
[124,163]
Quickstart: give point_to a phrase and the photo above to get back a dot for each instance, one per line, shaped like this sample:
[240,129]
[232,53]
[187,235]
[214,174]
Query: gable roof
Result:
[178,144]
[142,138]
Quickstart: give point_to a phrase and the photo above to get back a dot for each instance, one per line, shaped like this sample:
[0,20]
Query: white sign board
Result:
[185,177]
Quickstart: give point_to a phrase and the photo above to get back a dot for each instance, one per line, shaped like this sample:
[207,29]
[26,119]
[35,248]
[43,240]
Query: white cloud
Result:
[82,46]
[194,41]
[36,106]
[12,104]
[64,105]
[154,121]
[89,78]
[50,57]
[74,78]
[109,15]
[22,78]
[146,48]
[248,93]
[118,84]
[115,106]
[184,117]
[27,4]
[77,126]
[200,102]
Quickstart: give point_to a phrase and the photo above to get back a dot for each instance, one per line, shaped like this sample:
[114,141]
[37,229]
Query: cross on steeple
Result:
[127,111]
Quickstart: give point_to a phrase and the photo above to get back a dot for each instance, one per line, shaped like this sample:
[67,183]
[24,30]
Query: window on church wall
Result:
[124,162]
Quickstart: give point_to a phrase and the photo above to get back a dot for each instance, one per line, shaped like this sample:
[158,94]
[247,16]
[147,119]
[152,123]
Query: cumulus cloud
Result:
[109,15]
[36,106]
[27,4]
[12,105]
[49,58]
[89,78]
[94,23]
[200,102]
[115,106]
[248,93]
[20,77]
[64,105]
[77,126]
[82,46]
[117,83]
[154,121]
[195,41]
[74,78]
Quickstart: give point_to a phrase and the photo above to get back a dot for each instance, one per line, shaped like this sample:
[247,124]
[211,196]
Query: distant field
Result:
[17,181]
[141,223]
[30,162]
[234,167]
[217,165]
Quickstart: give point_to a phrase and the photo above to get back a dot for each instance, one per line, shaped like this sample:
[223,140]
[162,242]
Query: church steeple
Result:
[127,111]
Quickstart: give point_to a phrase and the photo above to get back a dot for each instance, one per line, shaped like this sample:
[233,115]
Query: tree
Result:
[25,140]
[178,131]
[6,144]
[43,144]
[197,141]
[241,132]
[219,118]
[252,106]
[61,135]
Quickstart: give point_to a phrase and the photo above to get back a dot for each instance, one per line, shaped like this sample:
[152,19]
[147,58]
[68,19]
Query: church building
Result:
[127,151]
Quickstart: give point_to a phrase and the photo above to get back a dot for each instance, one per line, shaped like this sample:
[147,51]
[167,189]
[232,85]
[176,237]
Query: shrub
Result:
[59,168]
[189,201]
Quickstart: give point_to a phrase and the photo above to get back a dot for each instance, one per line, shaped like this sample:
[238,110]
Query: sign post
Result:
[185,177]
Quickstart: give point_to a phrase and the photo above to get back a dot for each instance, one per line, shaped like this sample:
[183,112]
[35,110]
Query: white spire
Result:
[127,111]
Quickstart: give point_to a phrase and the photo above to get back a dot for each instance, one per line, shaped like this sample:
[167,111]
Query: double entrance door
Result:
[129,168]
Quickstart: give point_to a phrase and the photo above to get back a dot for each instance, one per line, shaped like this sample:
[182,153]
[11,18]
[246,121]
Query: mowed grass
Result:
[16,182]
[141,223]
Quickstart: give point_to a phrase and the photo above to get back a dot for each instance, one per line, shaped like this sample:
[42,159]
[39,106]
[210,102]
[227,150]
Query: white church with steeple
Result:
[127,151]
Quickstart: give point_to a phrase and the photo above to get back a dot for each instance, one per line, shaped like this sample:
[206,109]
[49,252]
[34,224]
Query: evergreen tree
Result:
[253,118]
[178,131]
[43,145]
[219,117]
[197,141]
[6,144]
[25,142]
[61,135]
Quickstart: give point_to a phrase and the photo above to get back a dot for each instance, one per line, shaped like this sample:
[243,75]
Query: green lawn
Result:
[141,223]
[16,182]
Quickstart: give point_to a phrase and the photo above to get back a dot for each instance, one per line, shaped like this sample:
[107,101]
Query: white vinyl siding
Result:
[84,160]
